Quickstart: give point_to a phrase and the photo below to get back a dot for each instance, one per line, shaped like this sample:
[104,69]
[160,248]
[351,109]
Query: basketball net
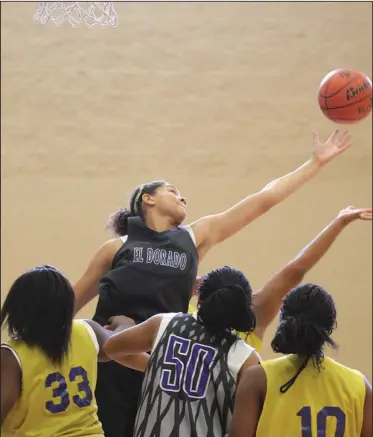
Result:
[75,13]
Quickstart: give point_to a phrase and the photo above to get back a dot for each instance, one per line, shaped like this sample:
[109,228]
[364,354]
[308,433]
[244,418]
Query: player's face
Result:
[169,201]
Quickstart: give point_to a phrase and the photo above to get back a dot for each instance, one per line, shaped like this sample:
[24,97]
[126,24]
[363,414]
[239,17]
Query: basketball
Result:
[345,96]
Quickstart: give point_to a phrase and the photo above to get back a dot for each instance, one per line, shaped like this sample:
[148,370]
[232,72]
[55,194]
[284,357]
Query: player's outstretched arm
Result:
[213,229]
[10,382]
[134,343]
[267,301]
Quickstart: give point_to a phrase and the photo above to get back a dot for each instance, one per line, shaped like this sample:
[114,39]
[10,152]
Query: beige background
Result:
[217,98]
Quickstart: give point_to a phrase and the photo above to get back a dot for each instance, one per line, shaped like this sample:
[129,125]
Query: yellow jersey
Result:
[252,339]
[328,403]
[56,400]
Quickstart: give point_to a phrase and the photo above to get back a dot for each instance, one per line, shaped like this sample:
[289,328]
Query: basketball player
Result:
[49,365]
[280,284]
[151,267]
[267,301]
[195,361]
[303,394]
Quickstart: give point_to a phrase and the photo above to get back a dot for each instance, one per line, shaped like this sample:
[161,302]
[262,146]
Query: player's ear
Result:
[148,199]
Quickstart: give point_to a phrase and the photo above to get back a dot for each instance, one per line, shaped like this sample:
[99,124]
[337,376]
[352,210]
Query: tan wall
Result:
[216,98]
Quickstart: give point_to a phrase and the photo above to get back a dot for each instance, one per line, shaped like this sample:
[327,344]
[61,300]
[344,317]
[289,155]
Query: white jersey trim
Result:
[166,318]
[91,333]
[237,355]
[191,233]
[124,238]
[6,346]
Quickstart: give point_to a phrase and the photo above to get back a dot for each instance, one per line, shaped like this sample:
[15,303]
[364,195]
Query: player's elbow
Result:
[109,348]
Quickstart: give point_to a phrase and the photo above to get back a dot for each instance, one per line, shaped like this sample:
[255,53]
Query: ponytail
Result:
[308,317]
[297,335]
[118,222]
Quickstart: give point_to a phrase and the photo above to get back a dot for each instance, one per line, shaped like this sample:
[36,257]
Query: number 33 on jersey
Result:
[57,398]
[82,399]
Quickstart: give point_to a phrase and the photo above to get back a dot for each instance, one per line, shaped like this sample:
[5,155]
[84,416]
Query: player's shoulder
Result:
[253,374]
[108,250]
[18,348]
[240,345]
[277,364]
[164,320]
[342,370]
[251,339]
[189,230]
[114,244]
[9,357]
[331,363]
[82,329]
[240,355]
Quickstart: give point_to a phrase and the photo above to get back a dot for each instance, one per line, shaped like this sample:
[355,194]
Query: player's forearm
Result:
[317,248]
[223,226]
[273,193]
[136,362]
[281,188]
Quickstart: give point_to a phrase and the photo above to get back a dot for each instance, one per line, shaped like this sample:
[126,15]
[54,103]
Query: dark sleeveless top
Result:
[152,273]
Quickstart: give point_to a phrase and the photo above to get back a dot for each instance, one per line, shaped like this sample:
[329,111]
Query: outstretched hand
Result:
[351,213]
[337,143]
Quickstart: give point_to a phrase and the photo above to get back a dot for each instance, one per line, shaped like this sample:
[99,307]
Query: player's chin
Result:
[180,215]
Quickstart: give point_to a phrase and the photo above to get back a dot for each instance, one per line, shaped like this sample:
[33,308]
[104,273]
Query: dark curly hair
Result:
[118,221]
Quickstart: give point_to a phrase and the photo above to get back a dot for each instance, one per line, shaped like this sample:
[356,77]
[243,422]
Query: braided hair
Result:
[225,303]
[307,320]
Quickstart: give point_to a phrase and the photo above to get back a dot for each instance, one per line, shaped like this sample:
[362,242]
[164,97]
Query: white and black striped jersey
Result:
[190,381]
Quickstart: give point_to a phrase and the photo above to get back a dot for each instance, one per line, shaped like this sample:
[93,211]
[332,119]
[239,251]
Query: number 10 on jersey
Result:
[321,419]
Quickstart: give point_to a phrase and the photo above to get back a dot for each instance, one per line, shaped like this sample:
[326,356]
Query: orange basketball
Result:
[345,96]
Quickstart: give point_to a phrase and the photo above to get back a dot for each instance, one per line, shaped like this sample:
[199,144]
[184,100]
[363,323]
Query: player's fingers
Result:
[315,135]
[346,146]
[334,135]
[346,139]
[366,216]
[344,133]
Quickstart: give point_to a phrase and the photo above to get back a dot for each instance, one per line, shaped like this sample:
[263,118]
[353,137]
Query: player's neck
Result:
[159,223]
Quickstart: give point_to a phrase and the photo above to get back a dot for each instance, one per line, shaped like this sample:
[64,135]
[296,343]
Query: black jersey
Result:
[152,273]
[190,382]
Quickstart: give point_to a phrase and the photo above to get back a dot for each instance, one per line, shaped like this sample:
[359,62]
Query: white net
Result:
[76,13]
